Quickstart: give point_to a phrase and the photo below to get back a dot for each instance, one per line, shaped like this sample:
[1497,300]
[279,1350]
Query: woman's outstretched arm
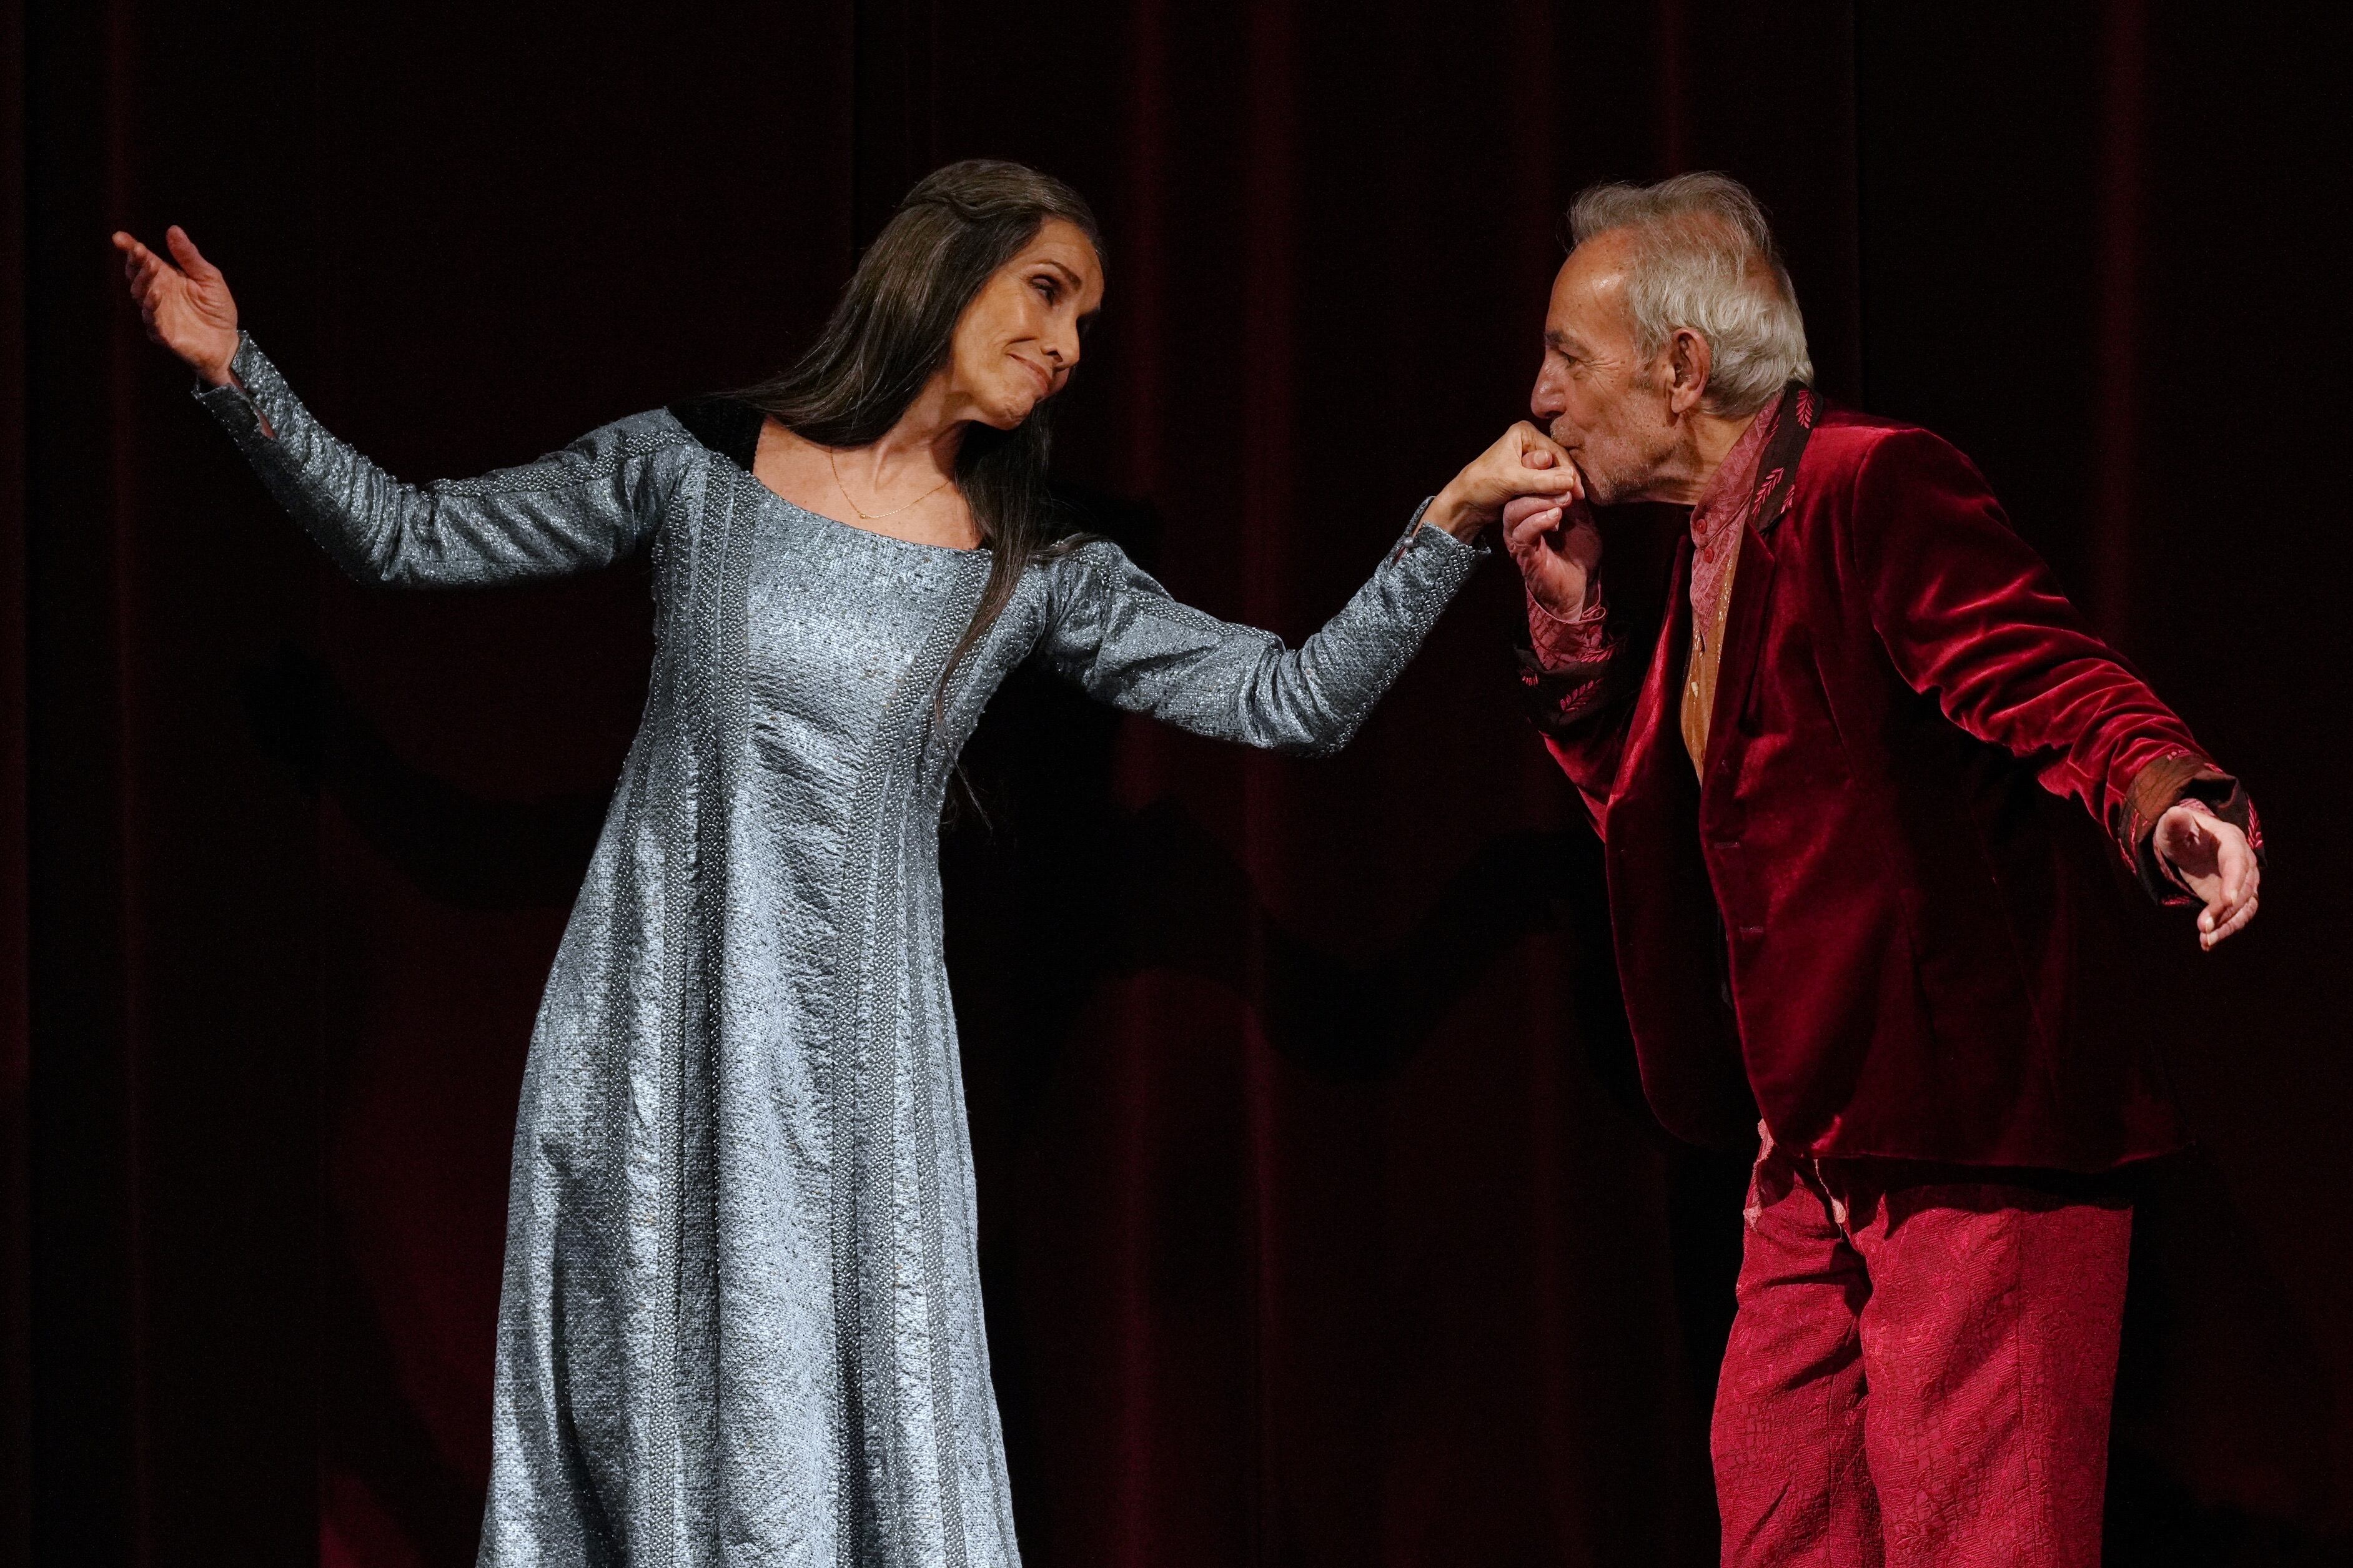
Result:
[1120,637]
[584,506]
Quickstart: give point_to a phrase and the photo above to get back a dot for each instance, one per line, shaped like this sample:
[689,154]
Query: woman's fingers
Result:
[1532,439]
[192,260]
[1562,482]
[1543,459]
[139,264]
[186,308]
[136,258]
[144,268]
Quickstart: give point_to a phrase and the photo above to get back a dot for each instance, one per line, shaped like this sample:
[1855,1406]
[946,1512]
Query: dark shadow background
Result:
[1323,1223]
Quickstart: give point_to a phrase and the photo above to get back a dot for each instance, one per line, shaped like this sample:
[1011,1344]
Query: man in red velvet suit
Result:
[1873,797]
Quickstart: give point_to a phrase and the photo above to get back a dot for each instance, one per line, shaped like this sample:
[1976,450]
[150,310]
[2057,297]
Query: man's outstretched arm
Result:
[1973,617]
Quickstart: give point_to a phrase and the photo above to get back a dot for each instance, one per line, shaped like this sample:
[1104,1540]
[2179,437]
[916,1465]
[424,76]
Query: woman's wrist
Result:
[1448,513]
[213,363]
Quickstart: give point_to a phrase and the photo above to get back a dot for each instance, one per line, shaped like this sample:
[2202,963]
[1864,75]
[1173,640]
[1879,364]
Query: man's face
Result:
[1594,392]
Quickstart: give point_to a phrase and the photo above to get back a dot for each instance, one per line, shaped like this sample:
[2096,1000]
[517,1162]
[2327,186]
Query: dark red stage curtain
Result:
[1322,1221]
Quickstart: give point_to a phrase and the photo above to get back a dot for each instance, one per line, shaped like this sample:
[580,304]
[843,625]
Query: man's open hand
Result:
[2215,862]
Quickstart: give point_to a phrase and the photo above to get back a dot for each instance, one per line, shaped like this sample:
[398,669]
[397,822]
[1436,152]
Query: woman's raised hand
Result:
[187,307]
[1523,462]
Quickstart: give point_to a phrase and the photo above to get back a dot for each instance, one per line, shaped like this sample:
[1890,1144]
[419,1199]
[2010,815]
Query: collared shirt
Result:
[1719,524]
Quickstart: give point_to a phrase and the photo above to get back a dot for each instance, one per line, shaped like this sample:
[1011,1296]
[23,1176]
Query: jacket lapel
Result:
[1653,737]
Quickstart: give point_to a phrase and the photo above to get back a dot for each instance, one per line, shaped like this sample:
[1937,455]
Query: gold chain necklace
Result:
[879,516]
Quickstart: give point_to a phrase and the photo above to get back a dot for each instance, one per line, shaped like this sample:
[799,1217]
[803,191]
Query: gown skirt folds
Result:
[740,1321]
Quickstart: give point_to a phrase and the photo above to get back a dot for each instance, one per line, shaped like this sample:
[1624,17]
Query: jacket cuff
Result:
[1561,696]
[2156,789]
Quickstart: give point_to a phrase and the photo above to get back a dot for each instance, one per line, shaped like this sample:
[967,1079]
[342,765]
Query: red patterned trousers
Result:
[1920,1368]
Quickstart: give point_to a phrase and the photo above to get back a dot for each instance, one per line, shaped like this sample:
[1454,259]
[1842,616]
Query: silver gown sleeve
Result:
[584,506]
[1119,636]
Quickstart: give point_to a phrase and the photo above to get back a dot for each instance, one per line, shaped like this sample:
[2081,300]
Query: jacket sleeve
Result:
[1972,617]
[1121,637]
[584,506]
[1582,704]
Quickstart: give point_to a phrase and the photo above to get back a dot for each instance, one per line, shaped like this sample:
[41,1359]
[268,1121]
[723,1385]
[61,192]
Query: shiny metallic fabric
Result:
[741,1318]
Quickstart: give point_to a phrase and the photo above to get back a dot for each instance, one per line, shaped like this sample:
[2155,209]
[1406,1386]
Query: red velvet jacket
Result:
[1890,920]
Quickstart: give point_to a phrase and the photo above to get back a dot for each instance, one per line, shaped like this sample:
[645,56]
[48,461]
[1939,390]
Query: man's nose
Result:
[1543,399]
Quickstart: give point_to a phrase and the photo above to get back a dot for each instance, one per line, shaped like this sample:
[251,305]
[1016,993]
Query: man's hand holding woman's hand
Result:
[1523,462]
[1554,544]
[187,307]
[1550,532]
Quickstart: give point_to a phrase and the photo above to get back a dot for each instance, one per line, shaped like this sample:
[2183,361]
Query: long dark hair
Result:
[895,328]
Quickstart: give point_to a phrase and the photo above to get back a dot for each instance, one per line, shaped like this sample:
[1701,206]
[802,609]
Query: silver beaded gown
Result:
[740,1321]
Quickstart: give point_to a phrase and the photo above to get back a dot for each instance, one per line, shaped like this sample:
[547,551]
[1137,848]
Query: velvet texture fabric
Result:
[1915,738]
[1919,1373]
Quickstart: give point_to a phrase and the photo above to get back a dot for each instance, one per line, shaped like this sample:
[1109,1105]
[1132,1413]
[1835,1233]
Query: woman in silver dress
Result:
[740,1321]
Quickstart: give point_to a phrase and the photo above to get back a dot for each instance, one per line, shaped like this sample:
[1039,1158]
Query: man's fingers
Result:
[1520,509]
[1527,526]
[2234,882]
[1529,530]
[2235,896]
[2232,902]
[2232,927]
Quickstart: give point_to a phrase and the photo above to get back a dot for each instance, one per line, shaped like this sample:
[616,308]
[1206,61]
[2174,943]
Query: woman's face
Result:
[1019,340]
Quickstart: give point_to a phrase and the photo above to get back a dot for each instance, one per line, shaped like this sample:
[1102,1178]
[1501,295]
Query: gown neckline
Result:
[731,426]
[980,550]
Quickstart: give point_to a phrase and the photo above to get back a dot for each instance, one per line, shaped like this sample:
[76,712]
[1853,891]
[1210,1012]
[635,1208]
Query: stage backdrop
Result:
[1322,1221]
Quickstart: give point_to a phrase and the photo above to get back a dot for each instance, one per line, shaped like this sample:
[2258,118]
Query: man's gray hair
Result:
[1704,259]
